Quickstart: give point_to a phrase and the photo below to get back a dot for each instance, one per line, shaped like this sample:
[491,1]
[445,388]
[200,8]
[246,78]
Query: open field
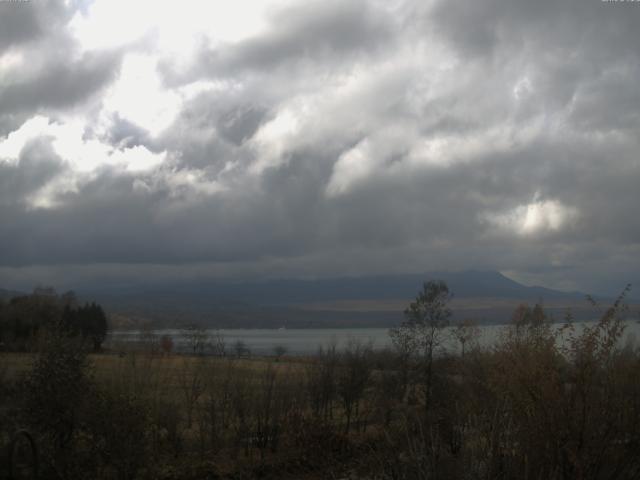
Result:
[113,366]
[208,414]
[531,406]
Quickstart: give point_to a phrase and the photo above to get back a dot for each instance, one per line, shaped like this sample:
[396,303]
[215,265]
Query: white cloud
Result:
[11,60]
[175,27]
[275,139]
[82,155]
[11,146]
[185,183]
[537,217]
[139,97]
[137,159]
[354,165]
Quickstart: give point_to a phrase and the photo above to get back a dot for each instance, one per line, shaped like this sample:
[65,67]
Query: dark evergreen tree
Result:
[97,325]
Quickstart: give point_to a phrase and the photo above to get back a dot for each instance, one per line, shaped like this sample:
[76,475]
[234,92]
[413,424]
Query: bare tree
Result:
[269,410]
[241,403]
[321,382]
[465,332]
[279,351]
[148,340]
[241,348]
[219,400]
[406,347]
[56,389]
[166,344]
[219,344]
[197,339]
[390,383]
[191,380]
[425,320]
[353,378]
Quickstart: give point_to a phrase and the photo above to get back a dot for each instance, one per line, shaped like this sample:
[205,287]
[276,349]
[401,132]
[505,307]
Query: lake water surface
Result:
[306,341]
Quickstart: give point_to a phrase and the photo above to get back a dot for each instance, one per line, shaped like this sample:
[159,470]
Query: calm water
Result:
[307,341]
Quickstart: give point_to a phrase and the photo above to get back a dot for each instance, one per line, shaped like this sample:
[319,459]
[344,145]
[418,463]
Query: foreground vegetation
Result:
[531,407]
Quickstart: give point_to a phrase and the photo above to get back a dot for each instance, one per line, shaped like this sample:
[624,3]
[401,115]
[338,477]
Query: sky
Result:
[145,141]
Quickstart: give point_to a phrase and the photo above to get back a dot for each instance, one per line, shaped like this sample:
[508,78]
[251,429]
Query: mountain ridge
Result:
[322,302]
[286,291]
[375,300]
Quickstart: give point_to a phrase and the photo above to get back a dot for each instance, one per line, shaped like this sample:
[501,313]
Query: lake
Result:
[306,341]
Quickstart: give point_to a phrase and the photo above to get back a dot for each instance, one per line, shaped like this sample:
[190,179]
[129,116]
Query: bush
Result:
[118,431]
[55,393]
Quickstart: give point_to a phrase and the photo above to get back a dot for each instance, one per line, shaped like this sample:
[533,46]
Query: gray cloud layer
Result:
[497,134]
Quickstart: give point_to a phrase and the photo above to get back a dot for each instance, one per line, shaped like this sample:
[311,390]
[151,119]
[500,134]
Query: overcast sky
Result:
[146,140]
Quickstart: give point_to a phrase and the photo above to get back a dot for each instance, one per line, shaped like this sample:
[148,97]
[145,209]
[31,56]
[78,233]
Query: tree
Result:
[465,332]
[570,398]
[422,329]
[55,391]
[353,378]
[95,325]
[279,351]
[191,379]
[219,344]
[28,315]
[197,339]
[89,321]
[25,317]
[166,344]
[241,348]
[321,382]
[69,299]
[148,339]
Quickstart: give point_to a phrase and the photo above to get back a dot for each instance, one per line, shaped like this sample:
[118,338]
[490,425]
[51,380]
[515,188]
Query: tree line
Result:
[25,319]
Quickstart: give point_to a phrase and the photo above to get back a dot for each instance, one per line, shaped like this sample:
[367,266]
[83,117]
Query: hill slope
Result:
[348,301]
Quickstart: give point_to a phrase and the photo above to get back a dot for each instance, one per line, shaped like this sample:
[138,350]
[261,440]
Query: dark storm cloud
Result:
[211,127]
[239,124]
[287,214]
[112,222]
[307,35]
[37,164]
[122,134]
[316,31]
[498,135]
[25,22]
[59,84]
[491,27]
[52,74]
[10,122]
[576,52]
[18,23]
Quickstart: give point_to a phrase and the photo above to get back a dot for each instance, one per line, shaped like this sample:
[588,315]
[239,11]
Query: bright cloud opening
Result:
[11,146]
[81,154]
[175,26]
[139,96]
[274,139]
[540,216]
[352,166]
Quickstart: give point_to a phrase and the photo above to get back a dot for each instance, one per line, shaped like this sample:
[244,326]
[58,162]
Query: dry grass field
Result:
[528,407]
